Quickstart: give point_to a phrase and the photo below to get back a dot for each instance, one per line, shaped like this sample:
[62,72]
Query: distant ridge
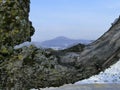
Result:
[63,42]
[57,43]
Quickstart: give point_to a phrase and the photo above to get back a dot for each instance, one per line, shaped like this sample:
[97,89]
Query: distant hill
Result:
[57,43]
[63,42]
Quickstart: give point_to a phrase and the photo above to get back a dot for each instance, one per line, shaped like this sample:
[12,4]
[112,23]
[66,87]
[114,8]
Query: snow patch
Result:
[110,75]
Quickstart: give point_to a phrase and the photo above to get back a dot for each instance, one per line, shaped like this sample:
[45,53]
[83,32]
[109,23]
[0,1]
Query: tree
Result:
[31,67]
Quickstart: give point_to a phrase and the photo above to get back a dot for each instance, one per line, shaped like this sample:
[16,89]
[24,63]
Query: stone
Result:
[15,27]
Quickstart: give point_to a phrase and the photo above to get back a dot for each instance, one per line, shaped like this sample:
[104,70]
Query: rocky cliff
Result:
[30,67]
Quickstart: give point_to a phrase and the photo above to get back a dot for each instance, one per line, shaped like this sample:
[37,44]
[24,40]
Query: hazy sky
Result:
[78,19]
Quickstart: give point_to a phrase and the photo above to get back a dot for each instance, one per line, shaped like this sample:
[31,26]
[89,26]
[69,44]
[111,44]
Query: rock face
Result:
[30,67]
[15,27]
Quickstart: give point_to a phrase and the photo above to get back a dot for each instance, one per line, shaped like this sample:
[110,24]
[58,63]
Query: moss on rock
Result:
[15,27]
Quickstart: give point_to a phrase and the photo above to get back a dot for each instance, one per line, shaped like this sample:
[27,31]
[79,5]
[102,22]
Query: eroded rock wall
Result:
[15,27]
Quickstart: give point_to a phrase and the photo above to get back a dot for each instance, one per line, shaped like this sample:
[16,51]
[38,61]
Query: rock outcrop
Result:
[30,67]
[15,27]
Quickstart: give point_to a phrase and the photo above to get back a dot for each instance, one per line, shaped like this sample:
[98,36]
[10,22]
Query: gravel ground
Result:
[86,87]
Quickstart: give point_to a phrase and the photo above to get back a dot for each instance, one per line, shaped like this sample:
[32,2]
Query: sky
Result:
[76,19]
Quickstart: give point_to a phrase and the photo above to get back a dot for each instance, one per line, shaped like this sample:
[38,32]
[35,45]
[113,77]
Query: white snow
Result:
[110,75]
